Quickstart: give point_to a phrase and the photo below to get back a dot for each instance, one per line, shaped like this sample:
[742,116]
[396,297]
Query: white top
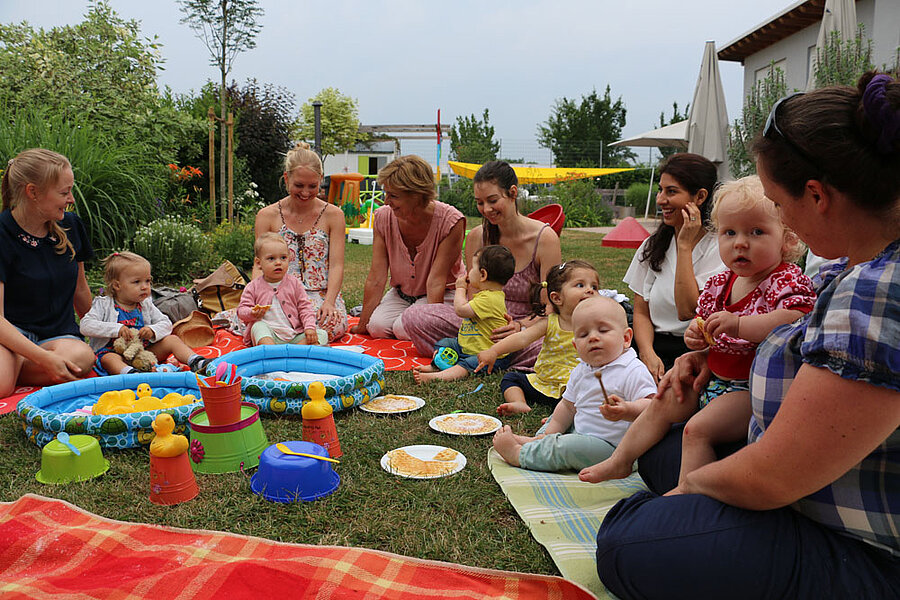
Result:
[101,323]
[626,377]
[658,289]
[277,320]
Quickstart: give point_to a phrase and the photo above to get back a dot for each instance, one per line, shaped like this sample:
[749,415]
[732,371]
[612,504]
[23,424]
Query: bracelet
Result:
[739,329]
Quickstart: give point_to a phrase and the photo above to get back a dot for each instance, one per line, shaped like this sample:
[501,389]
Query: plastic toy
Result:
[227,448]
[318,421]
[119,402]
[133,352]
[71,458]
[360,377]
[285,477]
[166,444]
[445,358]
[171,478]
[221,395]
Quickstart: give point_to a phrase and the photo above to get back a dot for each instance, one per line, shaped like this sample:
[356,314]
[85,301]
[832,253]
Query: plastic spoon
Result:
[477,389]
[221,369]
[287,450]
[63,438]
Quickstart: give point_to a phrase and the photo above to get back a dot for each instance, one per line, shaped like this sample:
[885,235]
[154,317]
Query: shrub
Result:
[234,242]
[636,196]
[582,203]
[176,250]
[461,195]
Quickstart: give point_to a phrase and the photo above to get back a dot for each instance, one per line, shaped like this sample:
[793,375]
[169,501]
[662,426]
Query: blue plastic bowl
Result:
[287,478]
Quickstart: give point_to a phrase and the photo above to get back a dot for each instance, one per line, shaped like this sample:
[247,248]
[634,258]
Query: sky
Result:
[404,59]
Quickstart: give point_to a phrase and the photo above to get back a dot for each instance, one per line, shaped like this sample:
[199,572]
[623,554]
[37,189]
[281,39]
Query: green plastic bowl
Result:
[61,465]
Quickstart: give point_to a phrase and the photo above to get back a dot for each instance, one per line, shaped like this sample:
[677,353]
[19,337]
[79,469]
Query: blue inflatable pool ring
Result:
[445,358]
[360,377]
[51,410]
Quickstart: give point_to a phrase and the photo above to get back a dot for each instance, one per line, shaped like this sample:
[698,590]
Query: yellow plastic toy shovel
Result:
[287,450]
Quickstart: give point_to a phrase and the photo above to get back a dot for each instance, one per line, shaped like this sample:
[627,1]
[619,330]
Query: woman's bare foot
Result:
[604,471]
[513,408]
[507,446]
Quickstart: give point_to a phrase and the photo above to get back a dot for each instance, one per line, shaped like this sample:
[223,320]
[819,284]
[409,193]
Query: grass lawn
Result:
[463,518]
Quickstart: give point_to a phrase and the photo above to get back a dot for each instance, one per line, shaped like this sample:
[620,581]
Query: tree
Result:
[578,134]
[472,140]
[340,121]
[227,28]
[757,107]
[676,117]
[843,62]
[263,116]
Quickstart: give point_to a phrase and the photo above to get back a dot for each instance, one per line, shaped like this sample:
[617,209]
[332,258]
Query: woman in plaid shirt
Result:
[810,508]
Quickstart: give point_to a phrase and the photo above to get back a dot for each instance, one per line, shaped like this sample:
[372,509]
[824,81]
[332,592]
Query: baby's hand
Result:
[259,311]
[312,339]
[125,332]
[145,333]
[461,282]
[486,359]
[614,409]
[722,322]
[695,337]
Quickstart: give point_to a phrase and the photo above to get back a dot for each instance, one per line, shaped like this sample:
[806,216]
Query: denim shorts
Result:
[40,342]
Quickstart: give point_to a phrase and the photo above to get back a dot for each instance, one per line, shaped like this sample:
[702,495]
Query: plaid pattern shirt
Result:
[853,331]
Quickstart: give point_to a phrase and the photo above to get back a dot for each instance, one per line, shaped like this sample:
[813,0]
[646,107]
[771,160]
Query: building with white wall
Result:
[789,39]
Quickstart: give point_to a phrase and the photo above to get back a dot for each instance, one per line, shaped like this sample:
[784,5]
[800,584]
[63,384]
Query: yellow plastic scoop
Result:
[287,450]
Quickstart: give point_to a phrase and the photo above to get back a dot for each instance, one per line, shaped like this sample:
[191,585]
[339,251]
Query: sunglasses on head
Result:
[772,128]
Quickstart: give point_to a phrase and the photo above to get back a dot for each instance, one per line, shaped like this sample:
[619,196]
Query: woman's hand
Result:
[507,330]
[327,315]
[360,329]
[690,371]
[691,226]
[58,368]
[654,363]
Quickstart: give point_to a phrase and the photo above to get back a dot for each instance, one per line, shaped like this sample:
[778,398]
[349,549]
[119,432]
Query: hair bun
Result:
[301,146]
[881,115]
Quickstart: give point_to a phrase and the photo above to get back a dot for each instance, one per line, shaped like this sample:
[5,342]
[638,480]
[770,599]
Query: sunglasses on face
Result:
[771,128]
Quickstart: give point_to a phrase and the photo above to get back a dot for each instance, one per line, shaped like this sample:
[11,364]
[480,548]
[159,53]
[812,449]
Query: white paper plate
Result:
[438,424]
[425,452]
[419,404]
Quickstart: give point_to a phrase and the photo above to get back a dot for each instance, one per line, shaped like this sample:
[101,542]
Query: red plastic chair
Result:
[552,215]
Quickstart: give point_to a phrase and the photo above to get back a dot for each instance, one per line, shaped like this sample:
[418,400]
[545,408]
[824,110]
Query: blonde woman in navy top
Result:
[42,254]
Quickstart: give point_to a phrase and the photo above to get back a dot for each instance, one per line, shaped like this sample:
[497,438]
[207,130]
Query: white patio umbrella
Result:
[670,136]
[708,122]
[840,16]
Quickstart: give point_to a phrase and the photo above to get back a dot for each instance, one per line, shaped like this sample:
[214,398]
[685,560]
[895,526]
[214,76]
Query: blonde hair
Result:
[746,193]
[301,155]
[263,239]
[115,263]
[42,168]
[411,174]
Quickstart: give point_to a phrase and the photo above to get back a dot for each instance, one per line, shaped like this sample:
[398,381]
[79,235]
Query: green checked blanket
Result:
[563,514]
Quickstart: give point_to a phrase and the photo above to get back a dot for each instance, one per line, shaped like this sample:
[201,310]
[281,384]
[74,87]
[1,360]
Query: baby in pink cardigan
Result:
[276,308]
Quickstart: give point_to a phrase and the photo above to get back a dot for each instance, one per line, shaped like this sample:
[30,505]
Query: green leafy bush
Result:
[582,203]
[176,250]
[115,183]
[461,195]
[636,196]
[234,242]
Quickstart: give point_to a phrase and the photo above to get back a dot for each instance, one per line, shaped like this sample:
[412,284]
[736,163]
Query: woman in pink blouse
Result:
[418,240]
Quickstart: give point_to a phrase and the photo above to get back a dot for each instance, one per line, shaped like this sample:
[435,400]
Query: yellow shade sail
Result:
[537,174]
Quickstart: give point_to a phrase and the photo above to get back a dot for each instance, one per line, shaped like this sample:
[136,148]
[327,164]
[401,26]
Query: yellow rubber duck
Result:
[165,444]
[144,389]
[114,402]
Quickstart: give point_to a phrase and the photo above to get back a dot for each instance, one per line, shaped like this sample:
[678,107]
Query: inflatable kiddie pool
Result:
[51,410]
[356,377]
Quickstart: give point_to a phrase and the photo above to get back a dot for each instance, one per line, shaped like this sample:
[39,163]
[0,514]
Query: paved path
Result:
[649,224]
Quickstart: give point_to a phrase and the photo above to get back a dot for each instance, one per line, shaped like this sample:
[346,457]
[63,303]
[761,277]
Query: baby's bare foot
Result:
[604,471]
[507,446]
[513,408]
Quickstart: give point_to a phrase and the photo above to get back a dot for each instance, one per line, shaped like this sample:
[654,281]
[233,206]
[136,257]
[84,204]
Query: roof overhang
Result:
[792,19]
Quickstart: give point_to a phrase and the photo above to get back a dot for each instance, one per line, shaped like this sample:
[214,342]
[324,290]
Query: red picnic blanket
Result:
[50,548]
[398,355]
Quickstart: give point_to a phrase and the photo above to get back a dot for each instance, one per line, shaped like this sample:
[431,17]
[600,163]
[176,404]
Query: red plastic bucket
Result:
[172,480]
[222,402]
[552,215]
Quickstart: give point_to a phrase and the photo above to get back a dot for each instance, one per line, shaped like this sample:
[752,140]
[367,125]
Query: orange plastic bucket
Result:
[172,480]
[222,402]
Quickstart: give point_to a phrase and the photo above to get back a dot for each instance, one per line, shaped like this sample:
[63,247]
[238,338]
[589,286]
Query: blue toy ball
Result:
[445,358]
